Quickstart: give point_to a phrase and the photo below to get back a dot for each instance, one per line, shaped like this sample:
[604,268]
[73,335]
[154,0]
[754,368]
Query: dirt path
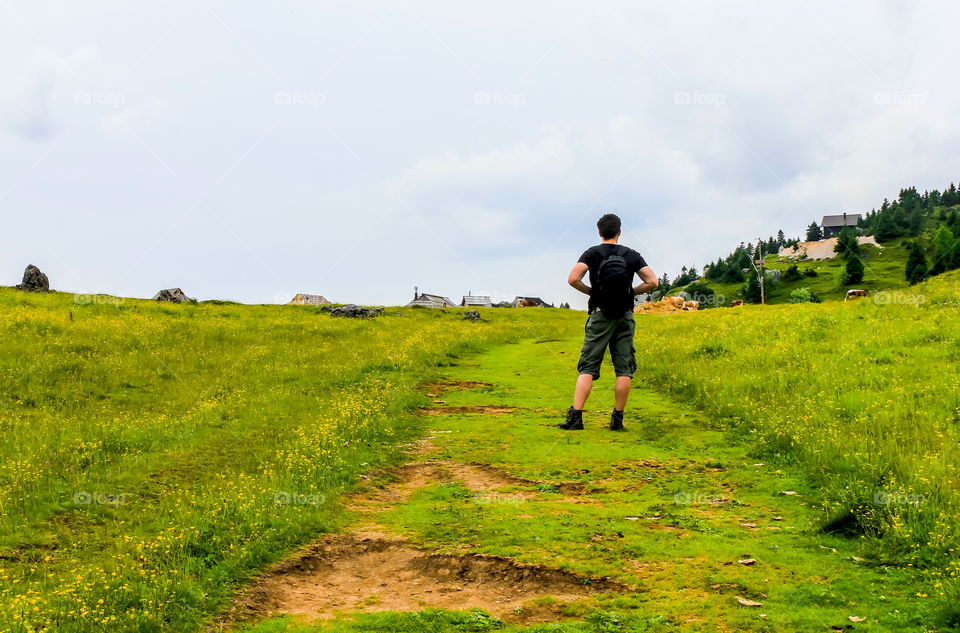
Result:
[669,526]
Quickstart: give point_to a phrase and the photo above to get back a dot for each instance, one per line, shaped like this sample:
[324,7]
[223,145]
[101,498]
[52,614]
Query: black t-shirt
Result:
[594,255]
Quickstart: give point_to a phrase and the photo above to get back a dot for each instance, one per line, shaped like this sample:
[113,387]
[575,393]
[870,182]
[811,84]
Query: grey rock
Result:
[34,280]
[171,295]
[356,312]
[471,315]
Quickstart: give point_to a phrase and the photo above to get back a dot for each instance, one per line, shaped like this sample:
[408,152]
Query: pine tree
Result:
[751,290]
[916,264]
[886,229]
[781,238]
[814,234]
[944,250]
[916,222]
[847,244]
[854,271]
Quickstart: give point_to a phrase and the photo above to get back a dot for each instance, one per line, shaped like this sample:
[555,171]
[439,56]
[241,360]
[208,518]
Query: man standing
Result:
[610,321]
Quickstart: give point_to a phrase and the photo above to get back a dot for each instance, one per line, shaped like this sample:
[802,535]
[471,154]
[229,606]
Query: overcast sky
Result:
[249,151]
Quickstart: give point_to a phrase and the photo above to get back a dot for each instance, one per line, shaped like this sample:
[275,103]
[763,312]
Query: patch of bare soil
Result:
[375,573]
[482,408]
[434,389]
[411,477]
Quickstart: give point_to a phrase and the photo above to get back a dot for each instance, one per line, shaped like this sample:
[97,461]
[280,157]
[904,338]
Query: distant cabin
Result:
[303,299]
[476,301]
[173,295]
[430,301]
[530,302]
[831,225]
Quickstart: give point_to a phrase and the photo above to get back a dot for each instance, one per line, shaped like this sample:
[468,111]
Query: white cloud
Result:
[129,118]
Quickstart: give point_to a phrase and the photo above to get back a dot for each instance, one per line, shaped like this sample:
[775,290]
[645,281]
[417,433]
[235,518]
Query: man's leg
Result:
[620,392]
[596,335]
[624,358]
[582,392]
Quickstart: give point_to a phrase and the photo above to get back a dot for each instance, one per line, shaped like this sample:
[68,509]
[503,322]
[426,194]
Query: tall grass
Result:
[865,395]
[152,456]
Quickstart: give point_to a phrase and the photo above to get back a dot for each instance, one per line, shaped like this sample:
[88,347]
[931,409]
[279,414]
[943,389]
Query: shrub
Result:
[801,295]
[793,273]
[703,293]
[854,271]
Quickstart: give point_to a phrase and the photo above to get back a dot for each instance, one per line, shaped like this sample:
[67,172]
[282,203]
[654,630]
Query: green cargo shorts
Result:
[601,332]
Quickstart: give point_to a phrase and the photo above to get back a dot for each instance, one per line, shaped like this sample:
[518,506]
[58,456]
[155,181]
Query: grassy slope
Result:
[200,414]
[863,394]
[652,518]
[145,447]
[883,270]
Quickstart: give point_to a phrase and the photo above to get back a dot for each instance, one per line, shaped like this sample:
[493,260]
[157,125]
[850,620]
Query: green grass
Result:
[863,395]
[153,456]
[652,518]
[883,271]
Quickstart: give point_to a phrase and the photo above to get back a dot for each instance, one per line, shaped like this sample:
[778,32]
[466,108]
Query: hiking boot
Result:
[616,420]
[574,421]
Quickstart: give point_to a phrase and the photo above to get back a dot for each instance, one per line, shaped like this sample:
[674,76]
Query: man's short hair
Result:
[609,226]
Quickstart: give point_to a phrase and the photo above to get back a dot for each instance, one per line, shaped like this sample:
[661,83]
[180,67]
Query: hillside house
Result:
[831,225]
[303,299]
[476,301]
[430,301]
[530,302]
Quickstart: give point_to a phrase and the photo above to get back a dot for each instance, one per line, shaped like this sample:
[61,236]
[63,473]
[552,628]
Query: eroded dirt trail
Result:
[373,569]
[669,524]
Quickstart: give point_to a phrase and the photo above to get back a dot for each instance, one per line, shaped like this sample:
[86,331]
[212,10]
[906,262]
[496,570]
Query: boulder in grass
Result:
[471,315]
[356,312]
[34,280]
[171,295]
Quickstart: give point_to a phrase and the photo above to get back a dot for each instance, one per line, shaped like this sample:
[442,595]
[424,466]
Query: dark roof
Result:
[838,220]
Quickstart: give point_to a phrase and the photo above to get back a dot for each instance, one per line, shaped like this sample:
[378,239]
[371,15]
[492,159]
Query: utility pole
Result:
[759,263]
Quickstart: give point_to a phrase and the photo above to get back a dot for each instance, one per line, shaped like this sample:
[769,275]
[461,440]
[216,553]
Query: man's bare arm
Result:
[576,278]
[650,281]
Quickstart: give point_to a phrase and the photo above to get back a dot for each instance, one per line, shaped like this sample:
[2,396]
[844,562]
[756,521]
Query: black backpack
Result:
[613,291]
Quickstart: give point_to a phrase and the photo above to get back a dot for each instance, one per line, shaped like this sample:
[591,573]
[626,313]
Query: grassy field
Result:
[864,395]
[883,271]
[154,457]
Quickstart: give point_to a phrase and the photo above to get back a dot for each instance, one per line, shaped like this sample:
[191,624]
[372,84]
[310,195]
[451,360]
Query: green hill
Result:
[883,270]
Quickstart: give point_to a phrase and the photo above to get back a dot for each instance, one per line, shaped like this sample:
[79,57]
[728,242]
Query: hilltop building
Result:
[430,301]
[831,225]
[476,301]
[530,302]
[303,299]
